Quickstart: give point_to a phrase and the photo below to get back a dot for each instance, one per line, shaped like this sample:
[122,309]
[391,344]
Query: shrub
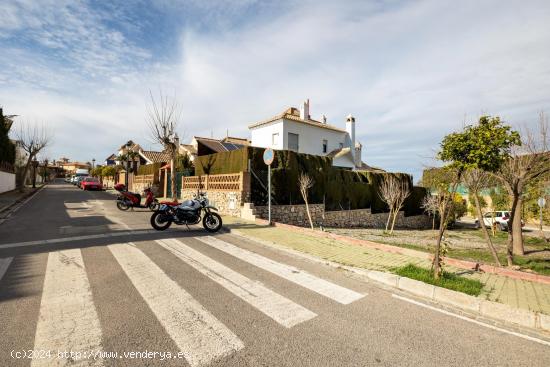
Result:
[149,169]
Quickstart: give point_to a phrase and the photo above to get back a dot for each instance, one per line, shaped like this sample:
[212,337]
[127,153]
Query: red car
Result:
[91,183]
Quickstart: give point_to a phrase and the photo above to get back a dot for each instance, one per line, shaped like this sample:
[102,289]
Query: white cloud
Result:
[409,72]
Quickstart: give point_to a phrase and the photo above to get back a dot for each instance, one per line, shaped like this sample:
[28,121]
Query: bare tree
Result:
[163,116]
[306,182]
[32,138]
[526,164]
[475,180]
[394,192]
[430,204]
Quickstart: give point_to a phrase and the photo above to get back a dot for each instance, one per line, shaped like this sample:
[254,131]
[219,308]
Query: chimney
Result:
[304,110]
[357,156]
[324,119]
[350,128]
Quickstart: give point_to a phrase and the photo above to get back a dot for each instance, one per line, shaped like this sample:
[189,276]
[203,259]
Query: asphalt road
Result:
[82,277]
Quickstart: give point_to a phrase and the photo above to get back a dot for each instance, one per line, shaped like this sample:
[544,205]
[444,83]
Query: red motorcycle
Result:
[127,199]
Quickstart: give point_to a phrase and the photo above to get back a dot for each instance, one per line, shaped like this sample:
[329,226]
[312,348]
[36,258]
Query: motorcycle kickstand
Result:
[187,225]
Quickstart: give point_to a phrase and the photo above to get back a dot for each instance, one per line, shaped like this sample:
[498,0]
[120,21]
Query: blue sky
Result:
[410,71]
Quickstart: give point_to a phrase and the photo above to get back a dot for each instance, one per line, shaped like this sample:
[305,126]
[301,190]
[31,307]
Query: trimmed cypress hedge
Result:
[339,189]
[149,169]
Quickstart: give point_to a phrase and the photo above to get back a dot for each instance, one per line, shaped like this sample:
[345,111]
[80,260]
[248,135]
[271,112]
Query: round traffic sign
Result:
[541,202]
[269,155]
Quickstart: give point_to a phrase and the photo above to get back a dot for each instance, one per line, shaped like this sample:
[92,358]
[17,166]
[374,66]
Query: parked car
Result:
[78,180]
[91,183]
[499,219]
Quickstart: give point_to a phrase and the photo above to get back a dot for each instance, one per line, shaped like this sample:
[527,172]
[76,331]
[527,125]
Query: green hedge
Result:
[149,169]
[7,148]
[337,188]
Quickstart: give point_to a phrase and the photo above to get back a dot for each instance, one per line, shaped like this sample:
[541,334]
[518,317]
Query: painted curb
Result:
[509,314]
[416,287]
[457,299]
[386,278]
[471,304]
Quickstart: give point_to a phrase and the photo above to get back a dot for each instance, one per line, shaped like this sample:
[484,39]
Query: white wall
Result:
[7,181]
[262,136]
[311,137]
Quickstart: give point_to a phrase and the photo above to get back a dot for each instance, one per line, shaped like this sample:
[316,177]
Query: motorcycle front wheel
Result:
[122,205]
[159,221]
[212,222]
[154,206]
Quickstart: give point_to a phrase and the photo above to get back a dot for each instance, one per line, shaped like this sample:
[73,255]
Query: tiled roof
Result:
[232,139]
[293,114]
[155,157]
[218,145]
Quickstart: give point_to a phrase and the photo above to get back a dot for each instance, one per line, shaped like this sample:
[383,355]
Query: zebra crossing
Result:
[68,318]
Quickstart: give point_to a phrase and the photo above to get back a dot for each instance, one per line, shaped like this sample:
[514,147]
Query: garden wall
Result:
[7,181]
[226,192]
[297,215]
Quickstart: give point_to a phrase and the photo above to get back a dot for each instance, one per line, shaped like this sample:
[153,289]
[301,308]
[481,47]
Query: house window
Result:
[275,139]
[293,142]
[325,146]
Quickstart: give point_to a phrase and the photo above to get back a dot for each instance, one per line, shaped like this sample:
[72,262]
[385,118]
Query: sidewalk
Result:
[518,293]
[10,198]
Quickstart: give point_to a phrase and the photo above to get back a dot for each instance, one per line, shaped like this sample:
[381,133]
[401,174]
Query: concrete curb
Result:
[471,304]
[463,264]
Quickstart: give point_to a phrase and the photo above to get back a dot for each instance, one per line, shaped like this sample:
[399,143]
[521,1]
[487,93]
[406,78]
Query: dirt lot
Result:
[463,242]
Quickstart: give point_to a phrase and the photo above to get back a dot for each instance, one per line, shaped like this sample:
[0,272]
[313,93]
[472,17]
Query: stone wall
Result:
[364,218]
[227,202]
[297,215]
[292,214]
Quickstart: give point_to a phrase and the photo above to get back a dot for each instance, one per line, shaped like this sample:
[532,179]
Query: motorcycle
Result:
[187,212]
[127,199]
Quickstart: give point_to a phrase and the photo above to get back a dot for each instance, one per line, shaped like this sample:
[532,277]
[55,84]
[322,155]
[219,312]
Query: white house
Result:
[295,130]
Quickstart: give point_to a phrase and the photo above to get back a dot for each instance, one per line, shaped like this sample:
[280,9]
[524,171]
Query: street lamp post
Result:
[93,163]
[34,165]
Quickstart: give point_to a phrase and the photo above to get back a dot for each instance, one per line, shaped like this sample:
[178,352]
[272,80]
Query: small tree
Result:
[163,117]
[443,182]
[529,160]
[109,171]
[305,182]
[430,204]
[475,180]
[484,146]
[394,192]
[32,139]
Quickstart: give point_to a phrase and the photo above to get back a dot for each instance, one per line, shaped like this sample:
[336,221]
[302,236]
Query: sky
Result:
[409,71]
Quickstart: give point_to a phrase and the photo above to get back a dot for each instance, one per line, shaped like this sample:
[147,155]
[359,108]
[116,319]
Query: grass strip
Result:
[447,280]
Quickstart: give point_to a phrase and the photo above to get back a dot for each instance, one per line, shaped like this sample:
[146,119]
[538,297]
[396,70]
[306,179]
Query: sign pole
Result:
[541,202]
[269,155]
[269,192]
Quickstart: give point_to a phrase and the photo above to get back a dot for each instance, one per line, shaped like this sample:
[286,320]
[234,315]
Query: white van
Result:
[82,172]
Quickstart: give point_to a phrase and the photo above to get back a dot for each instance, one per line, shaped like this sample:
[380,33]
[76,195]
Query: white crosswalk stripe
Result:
[199,335]
[295,275]
[4,265]
[279,308]
[67,320]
